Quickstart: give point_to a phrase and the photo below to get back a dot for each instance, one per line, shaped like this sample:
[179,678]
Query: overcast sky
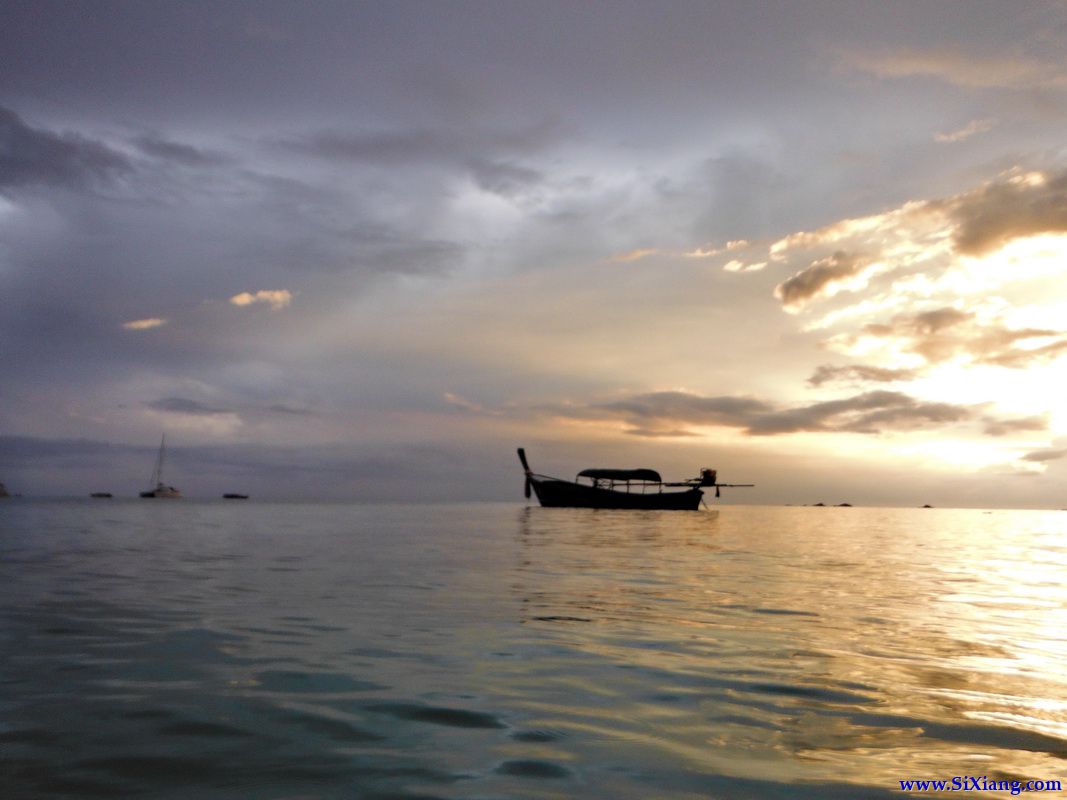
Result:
[364,250]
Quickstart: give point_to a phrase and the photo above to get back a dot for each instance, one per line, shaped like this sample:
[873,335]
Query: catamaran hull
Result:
[564,494]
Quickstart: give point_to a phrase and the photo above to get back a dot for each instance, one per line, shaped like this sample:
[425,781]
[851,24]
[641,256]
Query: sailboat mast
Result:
[157,473]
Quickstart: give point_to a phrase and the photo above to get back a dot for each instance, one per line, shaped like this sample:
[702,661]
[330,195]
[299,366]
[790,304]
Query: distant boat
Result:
[161,489]
[232,496]
[619,488]
[100,494]
[3,491]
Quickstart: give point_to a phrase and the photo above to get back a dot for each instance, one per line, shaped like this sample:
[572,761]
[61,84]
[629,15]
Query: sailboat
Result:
[161,489]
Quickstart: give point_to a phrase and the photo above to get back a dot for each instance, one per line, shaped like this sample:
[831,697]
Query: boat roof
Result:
[622,475]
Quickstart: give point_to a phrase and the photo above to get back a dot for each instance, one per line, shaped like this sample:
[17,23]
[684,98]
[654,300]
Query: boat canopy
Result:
[621,475]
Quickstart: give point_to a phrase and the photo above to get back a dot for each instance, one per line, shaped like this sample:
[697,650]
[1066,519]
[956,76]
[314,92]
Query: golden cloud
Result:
[922,241]
[277,299]
[144,324]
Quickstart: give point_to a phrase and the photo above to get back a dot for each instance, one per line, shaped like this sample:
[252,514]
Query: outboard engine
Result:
[707,477]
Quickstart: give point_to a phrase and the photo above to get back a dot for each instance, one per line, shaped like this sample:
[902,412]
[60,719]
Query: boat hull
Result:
[167,493]
[564,494]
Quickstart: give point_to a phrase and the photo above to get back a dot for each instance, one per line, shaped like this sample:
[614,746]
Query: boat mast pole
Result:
[159,461]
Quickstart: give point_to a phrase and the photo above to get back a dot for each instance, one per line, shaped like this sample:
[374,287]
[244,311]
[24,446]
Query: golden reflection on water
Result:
[799,644]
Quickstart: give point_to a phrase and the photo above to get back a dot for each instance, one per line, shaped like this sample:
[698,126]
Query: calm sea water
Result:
[251,650]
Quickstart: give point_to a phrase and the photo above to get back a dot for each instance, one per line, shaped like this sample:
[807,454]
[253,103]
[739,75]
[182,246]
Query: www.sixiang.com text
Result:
[968,783]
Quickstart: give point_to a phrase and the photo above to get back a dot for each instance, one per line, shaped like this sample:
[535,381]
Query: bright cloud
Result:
[635,255]
[144,324]
[966,132]
[277,299]
[740,266]
[995,234]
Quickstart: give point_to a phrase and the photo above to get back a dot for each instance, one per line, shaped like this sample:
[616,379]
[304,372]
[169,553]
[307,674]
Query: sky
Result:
[363,251]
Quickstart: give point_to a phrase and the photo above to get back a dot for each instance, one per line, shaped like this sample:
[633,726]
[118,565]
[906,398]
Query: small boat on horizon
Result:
[234,496]
[3,491]
[161,489]
[100,494]
[621,489]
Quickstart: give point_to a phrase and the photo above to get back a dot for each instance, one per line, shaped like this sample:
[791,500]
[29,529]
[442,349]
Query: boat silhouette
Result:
[620,488]
[161,489]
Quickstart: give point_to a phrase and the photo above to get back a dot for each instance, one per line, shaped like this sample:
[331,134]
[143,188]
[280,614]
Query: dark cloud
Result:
[1009,209]
[1005,427]
[691,408]
[661,414]
[177,152]
[812,280]
[928,322]
[503,178]
[872,412]
[35,156]
[385,147]
[380,248]
[1020,358]
[401,146]
[183,405]
[1041,456]
[278,408]
[946,333]
[827,373]
[657,433]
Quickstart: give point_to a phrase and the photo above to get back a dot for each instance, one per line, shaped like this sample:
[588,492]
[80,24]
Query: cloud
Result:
[857,372]
[144,324]
[690,408]
[183,405]
[872,412]
[1041,456]
[1020,204]
[478,147]
[673,413]
[279,408]
[1005,427]
[380,248]
[177,152]
[741,266]
[820,277]
[966,132]
[930,237]
[503,178]
[35,156]
[947,333]
[277,299]
[958,68]
[635,255]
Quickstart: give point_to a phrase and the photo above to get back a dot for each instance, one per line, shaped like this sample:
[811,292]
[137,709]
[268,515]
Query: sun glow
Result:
[966,455]
[1017,392]
[1026,258]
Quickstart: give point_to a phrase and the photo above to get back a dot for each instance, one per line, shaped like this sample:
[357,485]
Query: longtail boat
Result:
[620,488]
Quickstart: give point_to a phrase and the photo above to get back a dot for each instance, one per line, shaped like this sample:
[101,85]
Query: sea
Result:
[246,649]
